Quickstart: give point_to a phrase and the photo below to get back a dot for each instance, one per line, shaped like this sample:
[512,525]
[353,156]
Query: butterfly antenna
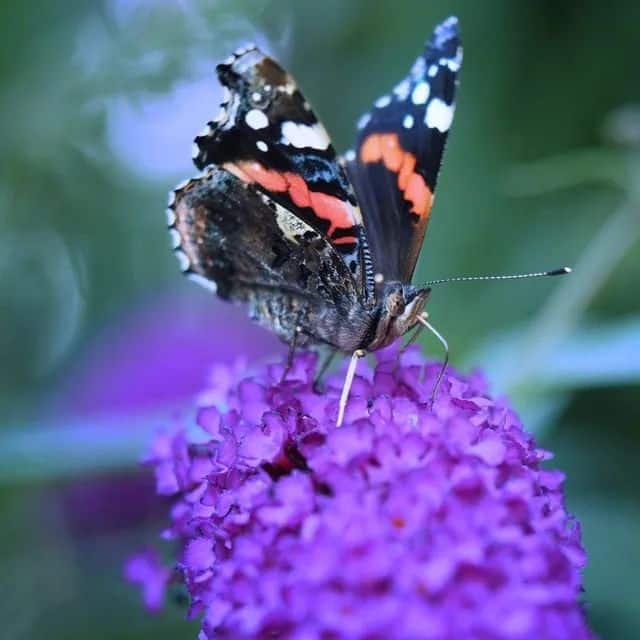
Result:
[517,276]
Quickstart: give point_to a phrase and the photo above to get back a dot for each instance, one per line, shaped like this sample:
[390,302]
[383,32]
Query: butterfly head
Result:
[400,306]
[400,300]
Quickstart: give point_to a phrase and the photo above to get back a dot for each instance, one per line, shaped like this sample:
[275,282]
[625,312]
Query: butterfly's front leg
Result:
[417,330]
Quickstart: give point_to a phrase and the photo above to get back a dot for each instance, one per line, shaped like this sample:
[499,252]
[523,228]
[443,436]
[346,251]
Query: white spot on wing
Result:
[256,119]
[256,96]
[402,89]
[433,69]
[454,63]
[350,155]
[176,240]
[364,120]
[262,145]
[195,150]
[183,261]
[417,71]
[171,198]
[439,115]
[407,121]
[205,132]
[203,282]
[382,101]
[420,93]
[302,135]
[171,217]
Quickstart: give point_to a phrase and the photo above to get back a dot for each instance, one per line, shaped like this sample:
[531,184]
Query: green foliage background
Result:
[542,170]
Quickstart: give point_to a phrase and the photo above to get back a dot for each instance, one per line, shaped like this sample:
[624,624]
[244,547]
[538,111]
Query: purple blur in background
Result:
[161,353]
[157,357]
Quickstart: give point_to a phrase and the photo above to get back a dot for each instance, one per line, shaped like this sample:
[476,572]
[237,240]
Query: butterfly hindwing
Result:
[267,135]
[230,236]
[398,153]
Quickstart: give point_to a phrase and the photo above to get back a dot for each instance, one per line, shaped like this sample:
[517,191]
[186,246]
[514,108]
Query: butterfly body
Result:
[321,248]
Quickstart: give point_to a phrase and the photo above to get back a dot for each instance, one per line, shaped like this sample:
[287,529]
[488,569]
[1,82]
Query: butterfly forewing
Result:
[399,148]
[267,135]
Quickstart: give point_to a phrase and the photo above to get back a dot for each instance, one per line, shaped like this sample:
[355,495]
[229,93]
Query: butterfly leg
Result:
[414,336]
[348,381]
[317,383]
[422,319]
[291,354]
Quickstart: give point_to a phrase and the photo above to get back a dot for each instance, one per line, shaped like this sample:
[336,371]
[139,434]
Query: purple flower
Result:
[146,570]
[409,522]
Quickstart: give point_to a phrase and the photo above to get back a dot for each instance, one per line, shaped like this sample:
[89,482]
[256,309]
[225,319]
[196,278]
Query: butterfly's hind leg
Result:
[326,363]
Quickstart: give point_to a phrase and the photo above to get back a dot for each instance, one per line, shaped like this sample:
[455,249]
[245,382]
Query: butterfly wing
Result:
[267,135]
[235,239]
[398,153]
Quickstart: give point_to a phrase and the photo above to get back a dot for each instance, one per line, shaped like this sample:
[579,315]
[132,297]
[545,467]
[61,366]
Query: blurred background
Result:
[102,341]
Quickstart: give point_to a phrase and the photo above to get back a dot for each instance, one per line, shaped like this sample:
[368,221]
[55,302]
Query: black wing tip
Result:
[244,57]
[444,47]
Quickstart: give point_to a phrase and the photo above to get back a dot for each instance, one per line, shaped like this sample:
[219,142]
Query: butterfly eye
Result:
[395,303]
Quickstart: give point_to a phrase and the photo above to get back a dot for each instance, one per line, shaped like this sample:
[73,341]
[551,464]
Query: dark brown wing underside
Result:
[231,236]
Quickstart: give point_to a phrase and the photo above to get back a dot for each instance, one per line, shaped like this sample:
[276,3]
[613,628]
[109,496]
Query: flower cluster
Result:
[412,521]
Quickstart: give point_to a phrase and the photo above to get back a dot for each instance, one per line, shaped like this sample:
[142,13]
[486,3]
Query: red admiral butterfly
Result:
[322,248]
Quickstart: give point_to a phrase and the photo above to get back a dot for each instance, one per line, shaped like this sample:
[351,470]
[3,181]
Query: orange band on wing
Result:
[386,148]
[337,212]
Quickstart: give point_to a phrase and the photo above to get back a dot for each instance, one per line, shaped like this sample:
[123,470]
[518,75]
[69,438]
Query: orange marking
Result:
[370,150]
[270,180]
[418,194]
[338,213]
[344,240]
[298,190]
[392,153]
[237,171]
[406,171]
[386,148]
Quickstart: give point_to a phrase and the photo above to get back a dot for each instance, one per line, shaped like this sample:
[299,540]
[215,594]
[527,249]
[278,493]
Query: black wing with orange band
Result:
[398,153]
[267,135]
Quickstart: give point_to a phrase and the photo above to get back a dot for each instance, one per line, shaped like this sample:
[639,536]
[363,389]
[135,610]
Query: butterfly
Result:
[322,248]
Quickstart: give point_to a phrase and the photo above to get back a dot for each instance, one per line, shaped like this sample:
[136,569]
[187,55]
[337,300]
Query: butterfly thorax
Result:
[396,312]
